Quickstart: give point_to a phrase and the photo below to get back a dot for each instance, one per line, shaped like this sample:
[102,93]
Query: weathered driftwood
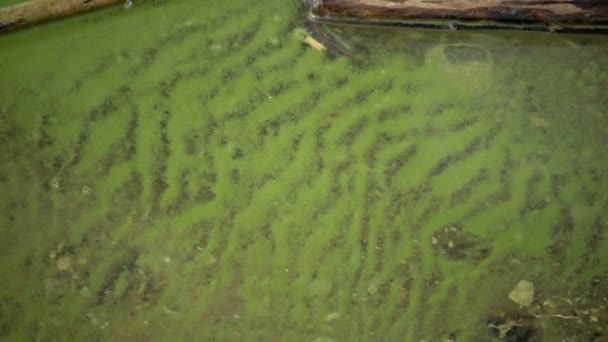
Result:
[37,11]
[554,15]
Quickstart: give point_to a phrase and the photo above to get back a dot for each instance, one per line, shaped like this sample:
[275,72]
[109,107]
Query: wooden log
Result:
[38,11]
[553,15]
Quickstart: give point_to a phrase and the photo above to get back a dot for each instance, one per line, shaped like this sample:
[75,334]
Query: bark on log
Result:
[554,15]
[37,11]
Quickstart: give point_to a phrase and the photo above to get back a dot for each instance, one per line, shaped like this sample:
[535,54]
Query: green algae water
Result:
[194,172]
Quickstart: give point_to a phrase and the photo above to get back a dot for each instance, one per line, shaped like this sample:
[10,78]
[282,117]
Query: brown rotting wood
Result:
[38,11]
[555,15]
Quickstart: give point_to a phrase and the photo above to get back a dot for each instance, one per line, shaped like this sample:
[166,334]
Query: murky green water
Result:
[190,172]
[6,3]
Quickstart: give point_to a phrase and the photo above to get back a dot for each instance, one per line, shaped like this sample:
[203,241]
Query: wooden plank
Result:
[554,15]
[37,11]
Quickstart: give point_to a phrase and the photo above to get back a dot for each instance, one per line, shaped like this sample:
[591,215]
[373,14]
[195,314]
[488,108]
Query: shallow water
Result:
[182,171]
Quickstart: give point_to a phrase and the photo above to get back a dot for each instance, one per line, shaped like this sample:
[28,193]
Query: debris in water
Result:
[64,264]
[315,44]
[323,339]
[513,327]
[523,293]
[457,244]
[167,310]
[504,328]
[332,316]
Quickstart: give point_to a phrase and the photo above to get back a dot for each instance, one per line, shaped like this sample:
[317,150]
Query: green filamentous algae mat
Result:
[193,171]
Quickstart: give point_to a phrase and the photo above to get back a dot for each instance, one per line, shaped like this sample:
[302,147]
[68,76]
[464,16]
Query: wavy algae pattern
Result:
[195,172]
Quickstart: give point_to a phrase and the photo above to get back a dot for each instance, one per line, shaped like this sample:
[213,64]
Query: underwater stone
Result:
[522,293]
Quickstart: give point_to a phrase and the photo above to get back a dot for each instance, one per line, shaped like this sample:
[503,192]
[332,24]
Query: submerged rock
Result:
[522,293]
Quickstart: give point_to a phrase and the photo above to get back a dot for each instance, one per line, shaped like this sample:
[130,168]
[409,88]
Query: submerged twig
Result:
[558,316]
